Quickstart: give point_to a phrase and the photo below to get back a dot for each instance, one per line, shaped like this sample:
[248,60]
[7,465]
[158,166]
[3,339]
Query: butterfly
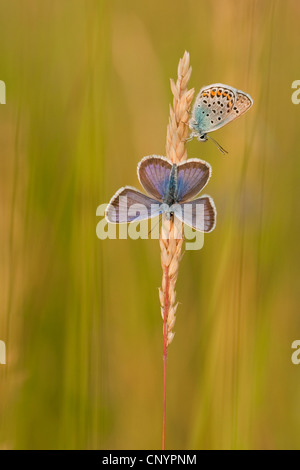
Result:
[171,188]
[215,106]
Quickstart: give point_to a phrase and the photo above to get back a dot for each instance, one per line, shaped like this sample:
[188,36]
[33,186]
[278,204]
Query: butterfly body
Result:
[171,194]
[215,106]
[171,188]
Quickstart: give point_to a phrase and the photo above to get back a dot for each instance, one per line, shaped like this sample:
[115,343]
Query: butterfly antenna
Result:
[222,150]
[152,228]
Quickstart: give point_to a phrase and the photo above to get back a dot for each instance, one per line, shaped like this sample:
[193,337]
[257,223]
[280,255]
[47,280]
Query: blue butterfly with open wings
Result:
[171,188]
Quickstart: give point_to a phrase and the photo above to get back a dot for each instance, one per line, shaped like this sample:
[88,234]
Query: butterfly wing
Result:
[192,176]
[200,214]
[154,173]
[217,105]
[242,104]
[130,205]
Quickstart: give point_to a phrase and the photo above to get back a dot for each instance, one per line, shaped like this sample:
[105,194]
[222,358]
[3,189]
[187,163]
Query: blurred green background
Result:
[87,97]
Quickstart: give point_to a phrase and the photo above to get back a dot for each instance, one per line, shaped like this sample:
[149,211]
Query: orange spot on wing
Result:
[212,93]
[219,93]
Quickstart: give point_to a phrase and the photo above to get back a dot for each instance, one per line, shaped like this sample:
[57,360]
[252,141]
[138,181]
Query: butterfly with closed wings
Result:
[215,106]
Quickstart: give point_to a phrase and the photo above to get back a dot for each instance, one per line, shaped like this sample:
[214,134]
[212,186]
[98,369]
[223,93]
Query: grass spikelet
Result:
[177,133]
